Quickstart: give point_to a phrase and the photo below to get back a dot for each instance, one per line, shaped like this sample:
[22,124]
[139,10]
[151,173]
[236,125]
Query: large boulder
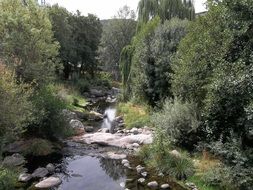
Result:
[40,173]
[95,116]
[51,168]
[69,115]
[49,183]
[76,124]
[116,140]
[97,93]
[14,160]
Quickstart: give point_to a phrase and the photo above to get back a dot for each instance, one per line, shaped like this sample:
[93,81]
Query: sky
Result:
[106,9]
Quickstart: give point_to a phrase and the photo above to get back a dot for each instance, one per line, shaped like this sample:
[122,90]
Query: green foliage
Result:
[26,40]
[139,51]
[217,76]
[158,156]
[178,120]
[201,183]
[126,63]
[79,37]
[134,115]
[39,147]
[117,33]
[16,109]
[219,176]
[50,121]
[165,9]
[179,167]
[7,179]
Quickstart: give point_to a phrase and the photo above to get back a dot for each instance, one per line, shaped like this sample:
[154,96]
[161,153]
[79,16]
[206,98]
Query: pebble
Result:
[24,177]
[141,180]
[153,184]
[165,186]
[140,169]
[144,174]
[125,161]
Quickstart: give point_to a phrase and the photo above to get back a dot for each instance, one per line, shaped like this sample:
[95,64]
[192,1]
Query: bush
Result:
[179,121]
[7,179]
[16,109]
[237,160]
[134,115]
[219,176]
[39,147]
[83,85]
[159,156]
[50,122]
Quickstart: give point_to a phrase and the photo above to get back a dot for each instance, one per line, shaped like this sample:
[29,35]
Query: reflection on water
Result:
[112,168]
[85,172]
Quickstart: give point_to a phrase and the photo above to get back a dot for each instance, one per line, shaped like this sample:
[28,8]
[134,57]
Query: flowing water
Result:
[79,170]
[109,116]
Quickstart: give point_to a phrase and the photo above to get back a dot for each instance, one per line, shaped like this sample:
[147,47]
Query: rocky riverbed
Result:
[100,156]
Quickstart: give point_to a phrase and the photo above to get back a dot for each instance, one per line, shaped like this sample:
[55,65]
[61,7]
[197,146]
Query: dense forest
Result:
[188,77]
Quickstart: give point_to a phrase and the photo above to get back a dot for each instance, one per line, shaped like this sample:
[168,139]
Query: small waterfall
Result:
[109,116]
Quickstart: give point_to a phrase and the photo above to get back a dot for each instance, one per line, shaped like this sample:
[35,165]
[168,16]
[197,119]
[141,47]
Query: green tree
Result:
[60,19]
[165,9]
[153,59]
[117,33]
[16,109]
[213,68]
[26,40]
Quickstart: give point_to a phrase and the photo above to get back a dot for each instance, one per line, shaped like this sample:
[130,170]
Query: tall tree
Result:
[60,19]
[26,40]
[117,33]
[165,9]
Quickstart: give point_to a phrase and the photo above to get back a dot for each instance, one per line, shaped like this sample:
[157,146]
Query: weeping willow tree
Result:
[126,62]
[165,9]
[148,11]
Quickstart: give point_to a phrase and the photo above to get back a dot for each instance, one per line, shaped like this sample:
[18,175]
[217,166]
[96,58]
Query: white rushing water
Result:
[109,116]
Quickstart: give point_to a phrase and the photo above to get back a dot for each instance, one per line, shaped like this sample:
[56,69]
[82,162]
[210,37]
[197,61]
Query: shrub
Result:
[16,109]
[180,167]
[83,85]
[7,179]
[219,176]
[39,147]
[50,122]
[178,120]
[134,115]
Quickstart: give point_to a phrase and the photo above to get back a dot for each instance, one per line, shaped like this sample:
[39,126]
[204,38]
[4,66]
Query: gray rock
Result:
[89,129]
[135,145]
[153,184]
[96,93]
[24,177]
[76,124]
[105,130]
[50,167]
[144,174]
[165,186]
[141,180]
[175,153]
[134,131]
[140,169]
[95,116]
[14,160]
[48,183]
[68,115]
[127,165]
[124,161]
[40,173]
